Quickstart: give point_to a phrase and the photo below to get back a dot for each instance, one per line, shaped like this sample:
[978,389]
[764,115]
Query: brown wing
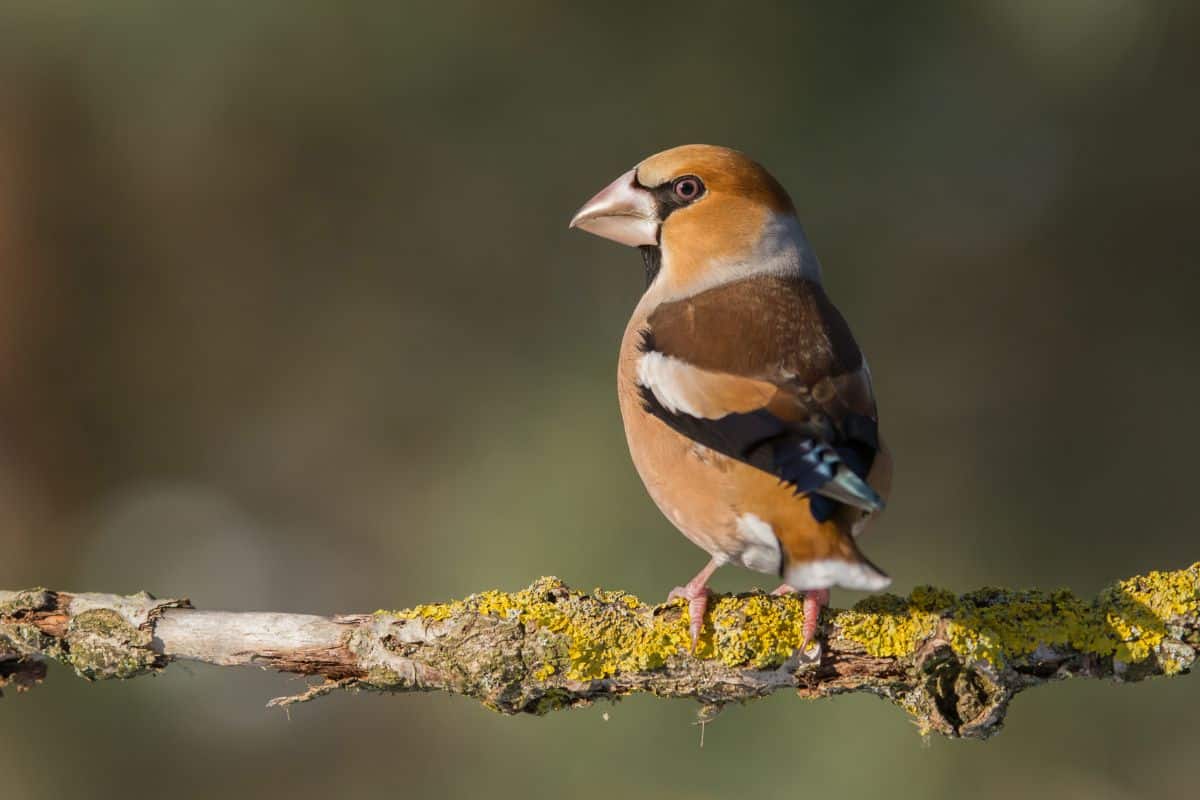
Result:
[766,370]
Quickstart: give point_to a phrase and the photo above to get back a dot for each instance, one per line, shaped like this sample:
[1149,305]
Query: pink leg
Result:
[814,601]
[696,593]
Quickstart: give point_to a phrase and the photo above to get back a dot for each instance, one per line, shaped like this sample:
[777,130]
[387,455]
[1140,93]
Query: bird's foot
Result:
[697,600]
[696,594]
[814,601]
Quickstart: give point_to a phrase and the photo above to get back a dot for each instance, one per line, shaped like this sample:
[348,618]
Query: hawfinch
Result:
[747,404]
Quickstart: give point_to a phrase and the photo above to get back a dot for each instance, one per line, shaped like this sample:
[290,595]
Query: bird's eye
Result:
[687,188]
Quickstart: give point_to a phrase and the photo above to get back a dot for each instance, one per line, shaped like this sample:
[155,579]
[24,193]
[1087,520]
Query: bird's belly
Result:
[697,489]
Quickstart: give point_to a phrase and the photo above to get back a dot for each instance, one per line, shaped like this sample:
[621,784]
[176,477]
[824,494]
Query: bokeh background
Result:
[290,319]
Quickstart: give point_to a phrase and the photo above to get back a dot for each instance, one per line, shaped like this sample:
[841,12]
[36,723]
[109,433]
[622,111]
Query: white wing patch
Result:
[670,379]
[682,388]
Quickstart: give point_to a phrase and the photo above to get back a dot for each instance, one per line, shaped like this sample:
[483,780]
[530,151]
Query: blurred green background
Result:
[290,319]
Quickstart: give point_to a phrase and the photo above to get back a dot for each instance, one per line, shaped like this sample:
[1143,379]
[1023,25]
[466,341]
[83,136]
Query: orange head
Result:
[707,214]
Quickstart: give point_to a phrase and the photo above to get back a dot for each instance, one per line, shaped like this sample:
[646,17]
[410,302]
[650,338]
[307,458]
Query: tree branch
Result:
[953,663]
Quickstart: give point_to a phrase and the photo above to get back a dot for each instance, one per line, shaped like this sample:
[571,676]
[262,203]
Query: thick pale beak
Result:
[623,212]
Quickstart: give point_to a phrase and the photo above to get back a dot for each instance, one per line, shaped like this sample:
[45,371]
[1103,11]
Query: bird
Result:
[748,406]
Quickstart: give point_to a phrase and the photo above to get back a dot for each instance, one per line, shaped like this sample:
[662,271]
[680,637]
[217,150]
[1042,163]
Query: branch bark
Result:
[953,663]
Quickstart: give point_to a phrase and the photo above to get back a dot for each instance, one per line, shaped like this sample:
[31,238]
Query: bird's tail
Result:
[846,567]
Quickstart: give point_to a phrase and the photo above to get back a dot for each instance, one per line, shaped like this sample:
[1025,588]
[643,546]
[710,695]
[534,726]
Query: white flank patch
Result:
[667,377]
[761,551]
[825,573]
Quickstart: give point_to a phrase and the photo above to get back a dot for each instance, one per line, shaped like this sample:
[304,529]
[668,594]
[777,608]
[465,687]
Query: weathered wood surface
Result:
[953,663]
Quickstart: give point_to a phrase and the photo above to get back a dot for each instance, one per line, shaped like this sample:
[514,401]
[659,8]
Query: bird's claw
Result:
[697,600]
[814,601]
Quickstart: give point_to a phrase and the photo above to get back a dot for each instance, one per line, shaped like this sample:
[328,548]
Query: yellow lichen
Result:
[994,625]
[603,633]
[1168,595]
[1138,610]
[887,625]
[1128,621]
[607,632]
[435,612]
[757,630]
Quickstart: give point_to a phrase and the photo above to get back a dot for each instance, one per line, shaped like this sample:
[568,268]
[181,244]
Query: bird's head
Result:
[702,215]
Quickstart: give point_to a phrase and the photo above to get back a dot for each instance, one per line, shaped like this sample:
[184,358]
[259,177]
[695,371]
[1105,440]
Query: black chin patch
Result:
[652,258]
